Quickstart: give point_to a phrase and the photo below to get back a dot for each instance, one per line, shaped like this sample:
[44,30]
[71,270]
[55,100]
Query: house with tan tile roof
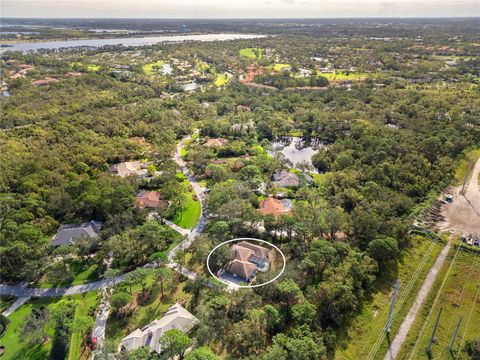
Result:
[243,270]
[215,142]
[148,199]
[130,168]
[247,260]
[260,252]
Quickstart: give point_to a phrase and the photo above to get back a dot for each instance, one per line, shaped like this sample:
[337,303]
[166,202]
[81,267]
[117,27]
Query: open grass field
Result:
[341,75]
[252,53]
[319,179]
[188,218]
[456,292]
[149,69]
[281,67]
[203,66]
[15,348]
[463,165]
[221,80]
[183,152]
[84,301]
[89,67]
[366,328]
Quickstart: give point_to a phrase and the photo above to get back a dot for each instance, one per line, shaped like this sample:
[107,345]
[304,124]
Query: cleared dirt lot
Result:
[463,214]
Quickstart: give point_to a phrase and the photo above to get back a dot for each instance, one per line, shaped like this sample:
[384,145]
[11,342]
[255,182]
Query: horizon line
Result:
[243,18]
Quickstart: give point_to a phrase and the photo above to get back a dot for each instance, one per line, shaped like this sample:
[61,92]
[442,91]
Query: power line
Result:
[403,297]
[439,292]
[468,322]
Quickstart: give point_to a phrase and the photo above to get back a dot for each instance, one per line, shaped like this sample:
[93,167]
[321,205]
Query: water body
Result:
[294,149]
[18,32]
[131,41]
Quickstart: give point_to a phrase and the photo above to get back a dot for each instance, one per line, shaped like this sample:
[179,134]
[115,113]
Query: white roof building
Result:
[131,168]
[176,317]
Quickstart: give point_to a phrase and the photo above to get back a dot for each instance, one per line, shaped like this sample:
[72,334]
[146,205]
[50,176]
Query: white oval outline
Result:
[246,286]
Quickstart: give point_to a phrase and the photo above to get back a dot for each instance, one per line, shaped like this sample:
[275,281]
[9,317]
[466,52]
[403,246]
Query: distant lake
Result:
[18,32]
[294,149]
[131,41]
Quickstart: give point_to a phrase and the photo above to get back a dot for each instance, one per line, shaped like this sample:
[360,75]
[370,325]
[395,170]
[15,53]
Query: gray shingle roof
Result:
[68,234]
[286,179]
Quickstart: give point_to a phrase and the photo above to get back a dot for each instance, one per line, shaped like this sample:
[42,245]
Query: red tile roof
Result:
[151,199]
[272,206]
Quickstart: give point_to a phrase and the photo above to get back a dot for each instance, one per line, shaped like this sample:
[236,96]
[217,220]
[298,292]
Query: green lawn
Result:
[341,75]
[183,152]
[319,179]
[252,53]
[93,67]
[89,67]
[221,80]
[83,273]
[11,339]
[174,243]
[148,69]
[87,275]
[17,349]
[463,165]
[368,324]
[84,301]
[460,278]
[203,66]
[189,217]
[280,67]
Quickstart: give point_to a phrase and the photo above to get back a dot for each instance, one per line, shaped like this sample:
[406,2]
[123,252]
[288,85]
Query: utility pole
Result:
[455,334]
[429,347]
[389,320]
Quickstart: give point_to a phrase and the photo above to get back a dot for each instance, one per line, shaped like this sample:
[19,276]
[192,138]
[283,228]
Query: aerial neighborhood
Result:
[205,189]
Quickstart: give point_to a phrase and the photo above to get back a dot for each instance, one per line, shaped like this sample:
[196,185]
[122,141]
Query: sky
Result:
[209,9]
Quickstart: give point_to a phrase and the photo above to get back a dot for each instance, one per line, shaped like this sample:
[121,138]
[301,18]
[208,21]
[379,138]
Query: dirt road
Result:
[401,335]
[462,216]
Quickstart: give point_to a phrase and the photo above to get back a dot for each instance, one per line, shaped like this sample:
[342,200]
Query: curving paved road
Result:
[26,292]
[23,291]
[185,244]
